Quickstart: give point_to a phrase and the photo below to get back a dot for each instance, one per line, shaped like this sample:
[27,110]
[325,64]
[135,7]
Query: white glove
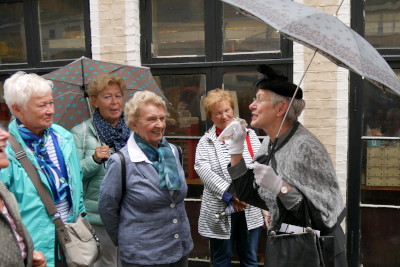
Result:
[234,135]
[266,177]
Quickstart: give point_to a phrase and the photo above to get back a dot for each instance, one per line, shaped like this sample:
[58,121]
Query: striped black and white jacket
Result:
[211,163]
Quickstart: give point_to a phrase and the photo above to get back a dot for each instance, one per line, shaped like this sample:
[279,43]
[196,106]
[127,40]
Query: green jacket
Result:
[33,212]
[86,142]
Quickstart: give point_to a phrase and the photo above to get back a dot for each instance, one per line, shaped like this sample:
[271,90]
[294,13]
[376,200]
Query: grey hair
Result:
[21,86]
[139,99]
[295,110]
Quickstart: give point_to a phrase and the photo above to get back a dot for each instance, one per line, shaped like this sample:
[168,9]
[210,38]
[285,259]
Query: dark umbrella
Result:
[71,83]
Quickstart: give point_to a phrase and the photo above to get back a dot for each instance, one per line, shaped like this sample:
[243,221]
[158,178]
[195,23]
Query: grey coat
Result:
[10,254]
[151,226]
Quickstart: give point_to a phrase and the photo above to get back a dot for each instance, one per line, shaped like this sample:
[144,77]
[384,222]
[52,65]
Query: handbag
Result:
[298,248]
[78,240]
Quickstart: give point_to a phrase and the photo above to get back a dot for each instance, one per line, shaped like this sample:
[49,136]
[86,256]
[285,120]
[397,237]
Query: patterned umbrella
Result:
[325,34]
[71,83]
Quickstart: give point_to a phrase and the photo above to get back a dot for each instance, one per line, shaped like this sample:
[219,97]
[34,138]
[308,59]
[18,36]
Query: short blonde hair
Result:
[215,96]
[101,81]
[135,104]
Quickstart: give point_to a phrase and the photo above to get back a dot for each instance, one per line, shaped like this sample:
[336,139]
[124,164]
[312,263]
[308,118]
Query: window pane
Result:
[242,84]
[12,34]
[382,23]
[184,93]
[62,31]
[178,28]
[381,145]
[244,34]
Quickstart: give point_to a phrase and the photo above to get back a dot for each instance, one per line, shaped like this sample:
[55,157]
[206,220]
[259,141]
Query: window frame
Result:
[213,20]
[32,37]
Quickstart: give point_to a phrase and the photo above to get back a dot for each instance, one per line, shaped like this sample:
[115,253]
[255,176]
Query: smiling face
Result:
[150,125]
[110,103]
[221,114]
[38,114]
[4,135]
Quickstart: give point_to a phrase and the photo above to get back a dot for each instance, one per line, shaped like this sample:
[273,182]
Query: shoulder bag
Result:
[78,240]
[304,248]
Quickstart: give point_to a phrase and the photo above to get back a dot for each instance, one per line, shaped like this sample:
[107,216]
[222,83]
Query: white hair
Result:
[21,86]
[296,108]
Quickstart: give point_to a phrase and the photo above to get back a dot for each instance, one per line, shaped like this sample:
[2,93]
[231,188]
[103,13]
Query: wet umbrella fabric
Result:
[71,83]
[325,34]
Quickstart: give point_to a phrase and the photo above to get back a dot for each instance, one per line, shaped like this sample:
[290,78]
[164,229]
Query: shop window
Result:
[12,40]
[62,31]
[178,28]
[42,33]
[382,23]
[244,34]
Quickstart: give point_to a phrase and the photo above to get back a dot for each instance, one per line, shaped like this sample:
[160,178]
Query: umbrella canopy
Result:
[325,34]
[71,83]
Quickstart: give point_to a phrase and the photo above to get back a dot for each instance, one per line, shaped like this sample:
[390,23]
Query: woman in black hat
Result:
[298,171]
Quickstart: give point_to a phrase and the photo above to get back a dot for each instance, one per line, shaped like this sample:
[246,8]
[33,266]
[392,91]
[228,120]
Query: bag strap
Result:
[123,174]
[30,169]
[179,152]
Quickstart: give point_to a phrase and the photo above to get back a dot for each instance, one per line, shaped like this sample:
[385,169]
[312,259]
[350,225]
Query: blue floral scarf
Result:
[38,145]
[164,162]
[112,136]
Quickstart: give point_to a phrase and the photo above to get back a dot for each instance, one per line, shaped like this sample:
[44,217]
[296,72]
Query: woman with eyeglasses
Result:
[225,219]
[52,151]
[299,172]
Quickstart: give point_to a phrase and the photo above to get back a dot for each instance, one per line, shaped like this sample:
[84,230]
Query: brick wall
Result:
[115,31]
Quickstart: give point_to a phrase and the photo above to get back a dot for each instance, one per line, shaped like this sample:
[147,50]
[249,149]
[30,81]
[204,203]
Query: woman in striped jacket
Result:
[223,218]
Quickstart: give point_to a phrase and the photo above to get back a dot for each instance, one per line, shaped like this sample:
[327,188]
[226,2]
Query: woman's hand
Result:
[101,152]
[238,205]
[38,259]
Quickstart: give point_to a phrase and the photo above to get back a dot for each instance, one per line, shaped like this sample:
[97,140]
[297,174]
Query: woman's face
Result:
[4,135]
[110,103]
[221,114]
[38,114]
[263,113]
[151,124]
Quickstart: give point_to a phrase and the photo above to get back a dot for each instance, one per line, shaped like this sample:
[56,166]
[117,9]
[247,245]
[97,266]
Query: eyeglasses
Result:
[259,99]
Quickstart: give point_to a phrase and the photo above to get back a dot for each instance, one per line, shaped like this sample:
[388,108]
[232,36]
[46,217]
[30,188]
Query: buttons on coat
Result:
[172,205]
[176,236]
[174,220]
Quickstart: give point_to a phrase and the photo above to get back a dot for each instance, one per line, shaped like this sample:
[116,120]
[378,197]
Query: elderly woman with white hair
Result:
[147,219]
[299,173]
[51,149]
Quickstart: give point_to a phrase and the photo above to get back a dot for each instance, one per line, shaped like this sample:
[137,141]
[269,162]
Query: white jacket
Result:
[211,164]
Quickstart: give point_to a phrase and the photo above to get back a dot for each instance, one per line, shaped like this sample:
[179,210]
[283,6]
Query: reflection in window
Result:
[62,32]
[12,34]
[184,93]
[242,84]
[382,23]
[243,33]
[178,28]
[380,182]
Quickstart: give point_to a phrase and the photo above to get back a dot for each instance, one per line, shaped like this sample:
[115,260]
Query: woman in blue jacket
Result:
[51,149]
[148,220]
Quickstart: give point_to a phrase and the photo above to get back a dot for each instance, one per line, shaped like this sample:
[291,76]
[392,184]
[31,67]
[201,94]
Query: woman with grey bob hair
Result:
[51,149]
[146,218]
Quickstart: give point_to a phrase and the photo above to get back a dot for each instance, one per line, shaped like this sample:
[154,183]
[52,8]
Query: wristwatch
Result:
[284,189]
